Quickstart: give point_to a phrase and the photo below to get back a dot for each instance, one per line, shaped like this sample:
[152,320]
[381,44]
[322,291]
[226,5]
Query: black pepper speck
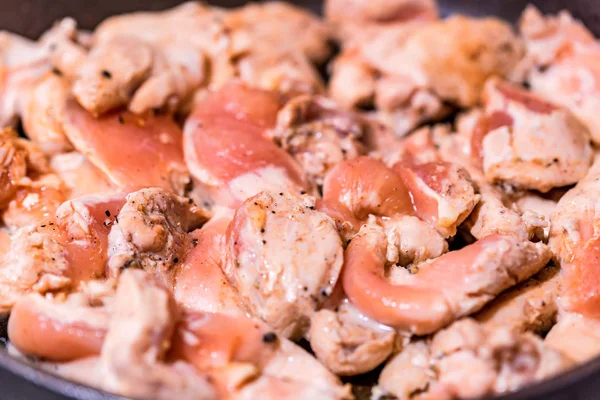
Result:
[269,337]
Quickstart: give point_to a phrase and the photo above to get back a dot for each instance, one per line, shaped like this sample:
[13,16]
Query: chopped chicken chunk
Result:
[148,60]
[349,15]
[284,258]
[442,193]
[318,134]
[19,159]
[111,72]
[455,57]
[22,62]
[34,202]
[411,69]
[227,148]
[574,242]
[44,113]
[409,372]
[40,327]
[562,63]
[199,283]
[151,233]
[468,361]
[348,67]
[575,336]
[136,342]
[35,261]
[527,142]
[349,343]
[412,241]
[281,25]
[492,213]
[529,306]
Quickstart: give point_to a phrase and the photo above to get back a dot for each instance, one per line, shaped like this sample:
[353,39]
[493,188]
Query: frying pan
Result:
[19,381]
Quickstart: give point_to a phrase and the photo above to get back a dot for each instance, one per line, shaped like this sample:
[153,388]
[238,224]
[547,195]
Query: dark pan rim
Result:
[70,389]
[567,380]
[51,382]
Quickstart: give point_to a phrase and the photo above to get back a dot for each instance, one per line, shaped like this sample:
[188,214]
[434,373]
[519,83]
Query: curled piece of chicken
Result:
[562,63]
[414,301]
[525,141]
[439,193]
[355,189]
[498,361]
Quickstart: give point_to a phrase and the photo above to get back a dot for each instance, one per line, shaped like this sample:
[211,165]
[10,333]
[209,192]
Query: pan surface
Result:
[19,381]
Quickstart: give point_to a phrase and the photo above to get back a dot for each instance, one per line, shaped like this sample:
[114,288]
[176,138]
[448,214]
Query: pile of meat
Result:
[189,211]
